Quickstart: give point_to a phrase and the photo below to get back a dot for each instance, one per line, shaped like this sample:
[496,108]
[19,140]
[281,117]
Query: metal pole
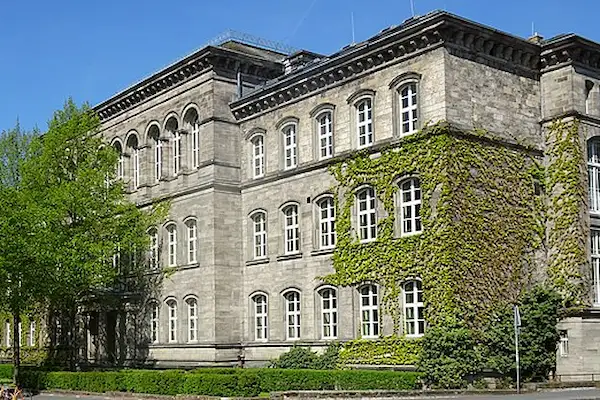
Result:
[517,325]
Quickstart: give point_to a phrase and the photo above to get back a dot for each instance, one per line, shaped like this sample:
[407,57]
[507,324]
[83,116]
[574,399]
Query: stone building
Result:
[240,136]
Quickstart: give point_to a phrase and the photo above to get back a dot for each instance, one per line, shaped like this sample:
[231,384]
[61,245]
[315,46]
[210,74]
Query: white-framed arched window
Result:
[366,204]
[410,206]
[414,318]
[172,308]
[155,142]
[290,145]
[172,127]
[133,149]
[154,311]
[32,331]
[595,255]
[325,134]
[154,249]
[121,161]
[192,319]
[292,314]
[364,122]
[172,244]
[369,311]
[326,222]
[258,155]
[291,229]
[191,227]
[260,307]
[408,108]
[593,148]
[259,234]
[329,313]
[192,125]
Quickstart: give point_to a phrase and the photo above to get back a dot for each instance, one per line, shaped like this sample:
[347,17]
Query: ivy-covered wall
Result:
[29,354]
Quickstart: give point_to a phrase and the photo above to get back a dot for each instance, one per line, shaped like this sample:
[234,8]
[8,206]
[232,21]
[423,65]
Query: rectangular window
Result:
[410,206]
[158,150]
[258,156]
[369,312]
[292,231]
[154,249]
[325,127]
[364,114]
[196,146]
[326,211]
[136,168]
[176,152]
[594,174]
[290,148]
[172,234]
[563,344]
[192,241]
[293,315]
[595,253]
[172,321]
[408,108]
[154,321]
[192,320]
[259,223]
[329,313]
[32,333]
[414,316]
[367,215]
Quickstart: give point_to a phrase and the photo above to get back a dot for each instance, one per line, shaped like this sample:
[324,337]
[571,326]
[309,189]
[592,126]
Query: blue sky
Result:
[90,50]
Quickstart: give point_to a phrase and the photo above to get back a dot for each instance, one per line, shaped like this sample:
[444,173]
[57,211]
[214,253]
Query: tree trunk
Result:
[16,342]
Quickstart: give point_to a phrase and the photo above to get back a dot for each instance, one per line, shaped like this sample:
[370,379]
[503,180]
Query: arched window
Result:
[191,121]
[154,249]
[157,145]
[172,126]
[172,244]
[261,317]
[595,254]
[172,306]
[259,234]
[414,319]
[192,312]
[290,148]
[133,148]
[326,222]
[369,311]
[408,108]
[154,321]
[364,122]
[192,240]
[32,331]
[367,214]
[325,134]
[121,162]
[292,314]
[291,229]
[594,173]
[410,207]
[258,156]
[329,313]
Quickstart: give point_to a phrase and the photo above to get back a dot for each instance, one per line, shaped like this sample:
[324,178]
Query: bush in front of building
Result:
[218,382]
[6,371]
[304,358]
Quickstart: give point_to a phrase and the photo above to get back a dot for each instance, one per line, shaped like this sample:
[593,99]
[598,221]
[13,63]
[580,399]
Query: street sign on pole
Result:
[517,326]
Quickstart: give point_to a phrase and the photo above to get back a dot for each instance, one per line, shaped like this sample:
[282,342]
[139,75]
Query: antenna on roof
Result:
[412,7]
[352,24]
[532,28]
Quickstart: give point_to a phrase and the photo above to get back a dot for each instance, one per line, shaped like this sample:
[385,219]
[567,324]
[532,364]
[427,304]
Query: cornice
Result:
[570,49]
[206,59]
[461,37]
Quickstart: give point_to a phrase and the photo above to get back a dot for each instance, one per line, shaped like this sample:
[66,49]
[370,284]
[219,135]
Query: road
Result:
[565,394]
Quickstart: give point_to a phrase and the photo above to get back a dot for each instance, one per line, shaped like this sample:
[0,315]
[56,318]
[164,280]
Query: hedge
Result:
[6,371]
[218,382]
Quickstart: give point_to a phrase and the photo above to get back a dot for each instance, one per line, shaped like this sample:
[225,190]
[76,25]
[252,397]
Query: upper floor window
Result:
[121,161]
[172,307]
[364,122]
[291,229]
[258,156]
[325,134]
[192,311]
[172,244]
[595,254]
[408,108]
[133,148]
[172,126]
[259,234]
[157,145]
[154,248]
[261,317]
[367,214]
[32,327]
[290,147]
[190,120]
[410,207]
[292,314]
[329,313]
[154,321]
[192,240]
[326,222]
[414,318]
[593,149]
[369,311]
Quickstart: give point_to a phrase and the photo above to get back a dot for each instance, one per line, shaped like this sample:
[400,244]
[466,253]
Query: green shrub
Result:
[6,371]
[304,358]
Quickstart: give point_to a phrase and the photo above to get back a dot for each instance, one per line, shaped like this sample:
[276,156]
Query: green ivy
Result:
[390,350]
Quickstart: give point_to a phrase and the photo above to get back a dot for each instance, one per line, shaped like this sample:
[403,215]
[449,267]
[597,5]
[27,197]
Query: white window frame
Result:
[369,311]
[260,304]
[154,322]
[366,211]
[290,145]
[414,309]
[364,129]
[329,313]
[154,249]
[258,155]
[292,314]
[593,148]
[176,152]
[192,240]
[32,328]
[408,98]
[172,310]
[7,333]
[291,231]
[192,314]
[172,244]
[121,161]
[324,121]
[259,235]
[595,256]
[195,145]
[410,206]
[135,154]
[326,222]
[563,343]
[158,155]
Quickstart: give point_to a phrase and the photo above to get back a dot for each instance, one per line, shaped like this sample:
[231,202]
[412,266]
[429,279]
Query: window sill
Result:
[257,261]
[286,257]
[322,252]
